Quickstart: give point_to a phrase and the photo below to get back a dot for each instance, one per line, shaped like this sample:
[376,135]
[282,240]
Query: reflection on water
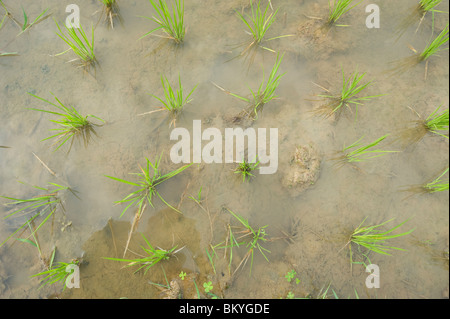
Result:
[306,233]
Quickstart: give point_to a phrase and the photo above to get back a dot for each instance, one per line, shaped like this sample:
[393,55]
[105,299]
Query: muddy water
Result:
[317,221]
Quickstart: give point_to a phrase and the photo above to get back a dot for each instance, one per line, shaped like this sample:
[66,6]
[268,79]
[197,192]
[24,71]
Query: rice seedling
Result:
[172,24]
[149,179]
[373,239]
[264,94]
[111,11]
[3,21]
[3,54]
[435,46]
[347,96]
[43,205]
[9,15]
[26,26]
[72,124]
[434,124]
[258,23]
[155,255]
[4,146]
[174,100]
[436,185]
[256,238]
[146,191]
[337,10]
[432,49]
[57,273]
[245,169]
[361,153]
[80,45]
[35,243]
[197,199]
[418,14]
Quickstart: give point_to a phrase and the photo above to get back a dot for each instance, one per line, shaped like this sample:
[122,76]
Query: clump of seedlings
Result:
[337,10]
[348,96]
[418,14]
[72,124]
[58,272]
[111,11]
[79,43]
[146,189]
[258,24]
[434,124]
[174,101]
[171,23]
[155,255]
[245,169]
[44,205]
[432,49]
[361,153]
[373,239]
[26,25]
[250,237]
[264,94]
[436,185]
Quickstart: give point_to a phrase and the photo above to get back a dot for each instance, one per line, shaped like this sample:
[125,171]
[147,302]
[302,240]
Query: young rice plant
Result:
[72,124]
[79,43]
[348,96]
[361,153]
[43,205]
[374,239]
[172,24]
[155,255]
[174,100]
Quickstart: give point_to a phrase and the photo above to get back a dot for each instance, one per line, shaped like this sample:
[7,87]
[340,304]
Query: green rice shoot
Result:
[337,10]
[254,241]
[171,23]
[438,123]
[57,273]
[374,239]
[433,49]
[150,178]
[43,205]
[245,169]
[155,256]
[437,185]
[79,43]
[26,25]
[362,153]
[436,45]
[174,99]
[71,124]
[347,97]
[258,23]
[264,94]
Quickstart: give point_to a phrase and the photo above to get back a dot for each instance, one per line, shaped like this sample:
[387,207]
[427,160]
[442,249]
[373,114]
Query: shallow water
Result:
[321,217]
